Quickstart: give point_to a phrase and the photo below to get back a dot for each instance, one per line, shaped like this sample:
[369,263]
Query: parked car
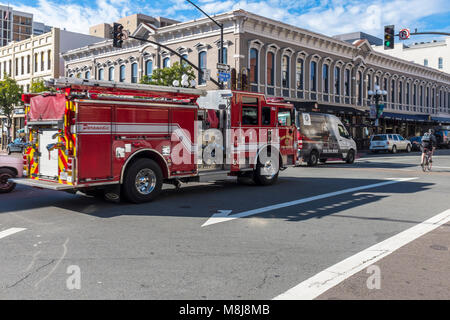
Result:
[389,143]
[16,146]
[322,136]
[10,167]
[416,141]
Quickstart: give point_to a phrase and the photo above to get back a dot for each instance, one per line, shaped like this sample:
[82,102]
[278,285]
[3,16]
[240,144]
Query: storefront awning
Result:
[441,119]
[405,117]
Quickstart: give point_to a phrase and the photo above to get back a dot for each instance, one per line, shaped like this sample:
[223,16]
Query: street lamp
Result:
[220,25]
[377,95]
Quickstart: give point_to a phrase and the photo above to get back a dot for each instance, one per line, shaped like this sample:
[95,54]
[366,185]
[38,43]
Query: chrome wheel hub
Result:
[145,181]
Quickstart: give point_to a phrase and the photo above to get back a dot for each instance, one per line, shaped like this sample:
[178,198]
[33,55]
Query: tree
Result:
[10,96]
[38,85]
[166,76]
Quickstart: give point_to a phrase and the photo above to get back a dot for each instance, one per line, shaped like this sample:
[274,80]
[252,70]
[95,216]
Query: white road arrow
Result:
[225,215]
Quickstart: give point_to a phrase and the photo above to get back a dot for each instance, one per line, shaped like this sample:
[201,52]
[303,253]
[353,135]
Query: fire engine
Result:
[125,140]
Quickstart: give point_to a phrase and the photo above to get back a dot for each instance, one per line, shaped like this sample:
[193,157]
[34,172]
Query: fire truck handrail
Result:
[120,87]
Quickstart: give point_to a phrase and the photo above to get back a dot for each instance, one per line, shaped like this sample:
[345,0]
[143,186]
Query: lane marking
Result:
[10,231]
[225,215]
[328,278]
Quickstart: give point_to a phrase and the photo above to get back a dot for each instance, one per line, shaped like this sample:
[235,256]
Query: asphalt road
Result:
[277,240]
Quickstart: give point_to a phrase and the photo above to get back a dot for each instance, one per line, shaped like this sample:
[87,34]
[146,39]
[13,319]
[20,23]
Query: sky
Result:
[329,17]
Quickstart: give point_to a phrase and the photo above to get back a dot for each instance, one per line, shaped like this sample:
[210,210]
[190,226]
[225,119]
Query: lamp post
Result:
[378,95]
[220,25]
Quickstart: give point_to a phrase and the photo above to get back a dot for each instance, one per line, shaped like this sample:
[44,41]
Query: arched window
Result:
[253,65]
[148,68]
[393,92]
[101,74]
[325,78]
[270,69]
[347,82]
[111,74]
[134,73]
[166,62]
[87,75]
[337,81]
[414,102]
[299,74]
[360,88]
[122,73]
[313,76]
[400,92]
[202,66]
[285,71]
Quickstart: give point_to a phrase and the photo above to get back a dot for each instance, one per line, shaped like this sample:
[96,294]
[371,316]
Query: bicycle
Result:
[427,163]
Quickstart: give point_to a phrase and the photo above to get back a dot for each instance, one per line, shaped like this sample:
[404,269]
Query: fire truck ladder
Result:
[126,89]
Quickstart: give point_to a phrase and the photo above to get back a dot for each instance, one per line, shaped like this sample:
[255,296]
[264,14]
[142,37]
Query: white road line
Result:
[10,231]
[224,215]
[325,280]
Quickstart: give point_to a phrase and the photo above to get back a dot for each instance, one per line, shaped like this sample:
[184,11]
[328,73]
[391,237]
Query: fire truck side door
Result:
[94,153]
[183,140]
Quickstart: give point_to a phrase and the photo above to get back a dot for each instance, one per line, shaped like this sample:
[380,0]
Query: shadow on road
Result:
[204,200]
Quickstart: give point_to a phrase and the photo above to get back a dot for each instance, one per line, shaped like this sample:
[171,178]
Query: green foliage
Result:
[10,96]
[166,76]
[39,86]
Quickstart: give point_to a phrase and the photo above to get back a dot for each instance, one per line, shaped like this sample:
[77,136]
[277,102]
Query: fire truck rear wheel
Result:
[266,174]
[143,181]
[5,185]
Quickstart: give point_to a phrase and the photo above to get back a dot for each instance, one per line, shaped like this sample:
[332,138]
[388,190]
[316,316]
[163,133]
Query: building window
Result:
[253,65]
[184,63]
[325,78]
[427,98]
[22,65]
[101,74]
[224,55]
[42,61]
[202,67]
[337,81]
[49,59]
[407,93]
[421,96]
[17,66]
[400,92]
[425,62]
[28,64]
[270,69]
[360,88]
[299,74]
[313,76]
[393,91]
[166,62]
[149,68]
[285,71]
[415,95]
[111,74]
[122,73]
[440,63]
[347,82]
[87,75]
[369,82]
[35,62]
[134,73]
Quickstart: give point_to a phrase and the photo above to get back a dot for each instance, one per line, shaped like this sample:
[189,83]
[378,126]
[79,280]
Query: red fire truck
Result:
[126,140]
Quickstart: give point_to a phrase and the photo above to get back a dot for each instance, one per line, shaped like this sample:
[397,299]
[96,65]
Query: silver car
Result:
[16,146]
[389,142]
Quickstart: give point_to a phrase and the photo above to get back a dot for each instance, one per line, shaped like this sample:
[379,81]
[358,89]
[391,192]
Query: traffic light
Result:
[389,37]
[117,35]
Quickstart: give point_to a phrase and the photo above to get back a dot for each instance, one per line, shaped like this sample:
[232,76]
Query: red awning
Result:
[50,107]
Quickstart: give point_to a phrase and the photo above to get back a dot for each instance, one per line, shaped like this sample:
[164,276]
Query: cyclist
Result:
[429,143]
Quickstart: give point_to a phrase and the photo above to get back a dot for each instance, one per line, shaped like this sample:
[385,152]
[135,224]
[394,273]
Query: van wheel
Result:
[143,181]
[5,185]
[266,174]
[394,149]
[313,158]
[350,157]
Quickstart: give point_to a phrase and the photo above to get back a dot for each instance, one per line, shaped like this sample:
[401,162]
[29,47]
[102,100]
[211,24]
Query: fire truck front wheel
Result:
[143,181]
[266,173]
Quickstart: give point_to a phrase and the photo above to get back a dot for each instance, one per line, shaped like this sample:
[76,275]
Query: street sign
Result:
[373,111]
[223,67]
[404,34]
[207,75]
[224,76]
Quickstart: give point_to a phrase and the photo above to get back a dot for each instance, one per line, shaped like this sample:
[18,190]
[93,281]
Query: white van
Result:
[322,136]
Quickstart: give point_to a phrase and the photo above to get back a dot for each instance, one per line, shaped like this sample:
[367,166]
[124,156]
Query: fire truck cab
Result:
[126,140]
